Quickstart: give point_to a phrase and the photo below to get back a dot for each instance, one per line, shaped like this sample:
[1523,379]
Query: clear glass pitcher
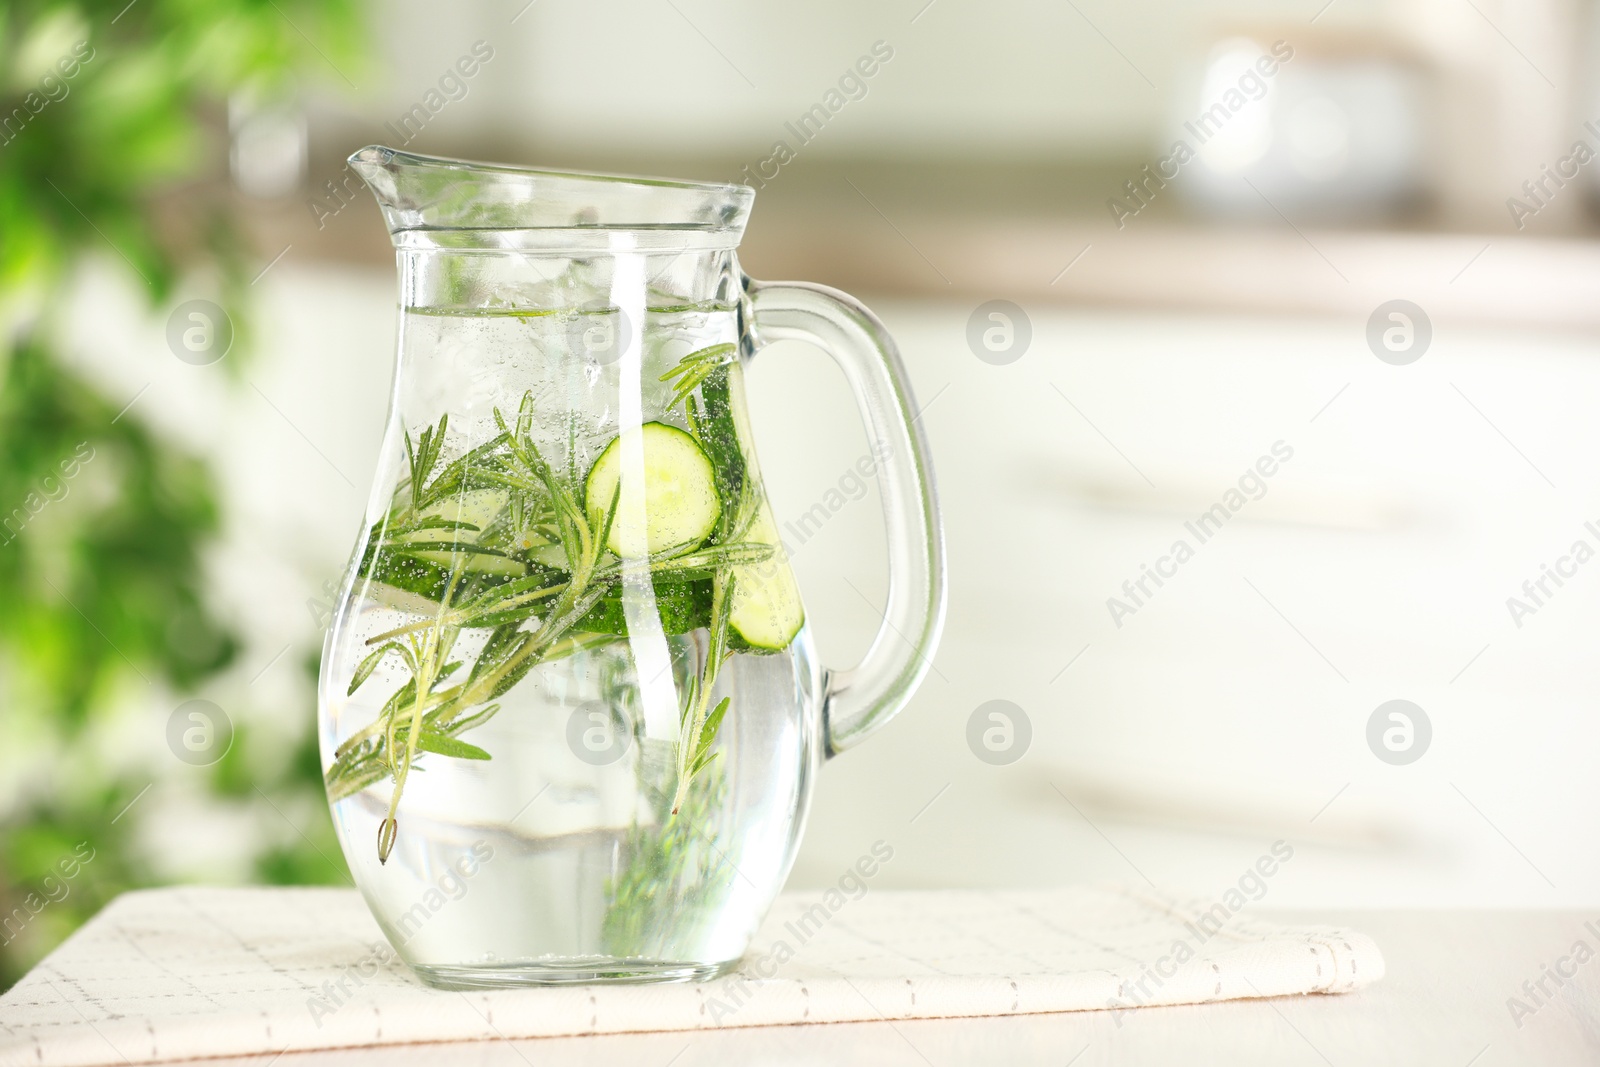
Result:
[570,717]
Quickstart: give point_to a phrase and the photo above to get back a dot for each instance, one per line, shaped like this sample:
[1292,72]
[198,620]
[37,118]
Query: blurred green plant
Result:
[110,126]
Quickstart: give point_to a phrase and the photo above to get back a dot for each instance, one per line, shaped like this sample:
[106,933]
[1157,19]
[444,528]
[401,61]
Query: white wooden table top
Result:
[1443,1002]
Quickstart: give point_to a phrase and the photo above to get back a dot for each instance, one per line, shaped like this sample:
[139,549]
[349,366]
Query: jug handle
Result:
[859,700]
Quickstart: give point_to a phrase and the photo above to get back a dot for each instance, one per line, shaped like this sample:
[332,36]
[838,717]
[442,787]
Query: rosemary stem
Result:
[465,616]
[689,738]
[428,666]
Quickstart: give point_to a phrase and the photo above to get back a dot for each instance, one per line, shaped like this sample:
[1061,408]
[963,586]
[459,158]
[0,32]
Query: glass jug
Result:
[570,717]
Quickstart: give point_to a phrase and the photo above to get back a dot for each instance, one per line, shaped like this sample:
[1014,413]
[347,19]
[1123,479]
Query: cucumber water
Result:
[571,636]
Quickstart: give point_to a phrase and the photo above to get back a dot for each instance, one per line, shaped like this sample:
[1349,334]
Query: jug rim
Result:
[440,194]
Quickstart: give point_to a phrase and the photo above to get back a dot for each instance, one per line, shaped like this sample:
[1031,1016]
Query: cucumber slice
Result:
[679,499]
[479,508]
[766,601]
[682,606]
[549,555]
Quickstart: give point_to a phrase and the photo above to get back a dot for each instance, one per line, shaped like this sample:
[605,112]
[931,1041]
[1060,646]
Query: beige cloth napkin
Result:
[191,972]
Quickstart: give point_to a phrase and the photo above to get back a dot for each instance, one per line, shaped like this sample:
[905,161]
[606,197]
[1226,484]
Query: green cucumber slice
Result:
[679,499]
[478,507]
[549,555]
[682,606]
[766,608]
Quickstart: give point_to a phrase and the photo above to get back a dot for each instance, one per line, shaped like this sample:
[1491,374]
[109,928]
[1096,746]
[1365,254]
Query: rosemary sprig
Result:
[518,600]
[697,725]
[698,721]
[421,458]
[534,617]
[428,656]
[426,714]
[671,877]
[692,370]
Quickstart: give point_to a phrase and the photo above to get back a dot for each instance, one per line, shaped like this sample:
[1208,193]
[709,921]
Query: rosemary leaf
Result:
[445,745]
[370,664]
[433,523]
[411,548]
[708,732]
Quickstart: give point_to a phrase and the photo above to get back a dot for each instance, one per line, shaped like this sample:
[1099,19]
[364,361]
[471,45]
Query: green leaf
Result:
[454,727]
[351,778]
[463,473]
[493,478]
[445,745]
[610,516]
[370,664]
[717,557]
[575,642]
[693,371]
[520,595]
[402,698]
[411,548]
[506,641]
[708,733]
[719,436]
[434,523]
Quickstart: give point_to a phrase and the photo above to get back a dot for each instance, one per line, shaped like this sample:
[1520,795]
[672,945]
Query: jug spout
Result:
[422,195]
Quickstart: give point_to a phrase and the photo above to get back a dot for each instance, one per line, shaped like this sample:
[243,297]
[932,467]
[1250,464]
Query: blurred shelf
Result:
[1257,270]
[1039,233]
[1249,270]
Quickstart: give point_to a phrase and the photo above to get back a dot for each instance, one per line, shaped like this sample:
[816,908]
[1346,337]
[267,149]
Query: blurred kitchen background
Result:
[1175,319]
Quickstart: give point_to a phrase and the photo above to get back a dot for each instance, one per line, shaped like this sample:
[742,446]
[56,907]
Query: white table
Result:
[1443,1002]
